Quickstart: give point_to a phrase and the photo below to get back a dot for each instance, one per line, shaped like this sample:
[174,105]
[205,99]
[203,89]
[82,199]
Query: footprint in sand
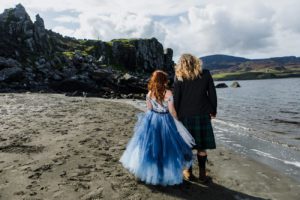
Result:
[19,193]
[60,160]
[82,142]
[96,194]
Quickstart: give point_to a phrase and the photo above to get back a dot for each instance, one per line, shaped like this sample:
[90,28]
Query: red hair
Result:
[158,85]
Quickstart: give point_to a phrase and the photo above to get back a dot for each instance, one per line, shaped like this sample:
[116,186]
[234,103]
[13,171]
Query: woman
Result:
[195,101]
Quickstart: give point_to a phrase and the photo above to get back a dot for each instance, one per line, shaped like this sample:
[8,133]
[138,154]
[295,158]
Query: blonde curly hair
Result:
[188,67]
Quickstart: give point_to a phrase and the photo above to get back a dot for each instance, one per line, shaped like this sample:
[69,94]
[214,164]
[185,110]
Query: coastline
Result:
[253,79]
[238,76]
[57,147]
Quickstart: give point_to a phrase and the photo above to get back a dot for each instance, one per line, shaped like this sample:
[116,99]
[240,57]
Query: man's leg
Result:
[202,158]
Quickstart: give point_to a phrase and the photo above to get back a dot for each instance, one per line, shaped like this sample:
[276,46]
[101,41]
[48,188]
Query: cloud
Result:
[216,29]
[250,28]
[64,31]
[120,25]
[66,19]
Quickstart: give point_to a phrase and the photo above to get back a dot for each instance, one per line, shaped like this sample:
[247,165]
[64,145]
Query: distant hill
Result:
[222,61]
[226,67]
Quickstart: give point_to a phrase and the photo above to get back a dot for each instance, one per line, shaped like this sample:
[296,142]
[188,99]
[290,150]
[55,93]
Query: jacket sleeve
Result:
[212,94]
[176,94]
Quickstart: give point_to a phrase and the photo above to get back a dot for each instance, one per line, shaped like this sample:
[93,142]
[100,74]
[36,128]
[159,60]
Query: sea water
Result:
[261,119]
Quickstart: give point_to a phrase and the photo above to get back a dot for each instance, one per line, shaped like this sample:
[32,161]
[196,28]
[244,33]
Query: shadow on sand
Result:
[196,191]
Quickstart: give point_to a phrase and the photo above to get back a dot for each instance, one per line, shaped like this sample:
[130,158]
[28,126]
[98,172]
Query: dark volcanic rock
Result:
[41,37]
[101,74]
[34,58]
[127,78]
[150,54]
[168,60]
[221,85]
[11,74]
[124,54]
[79,83]
[20,36]
[7,63]
[143,55]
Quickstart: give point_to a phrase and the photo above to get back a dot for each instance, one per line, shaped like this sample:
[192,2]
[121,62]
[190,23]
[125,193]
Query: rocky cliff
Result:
[34,58]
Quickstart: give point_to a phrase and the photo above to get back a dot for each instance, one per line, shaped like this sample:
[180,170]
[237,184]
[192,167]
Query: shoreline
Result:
[232,80]
[57,147]
[224,145]
[241,78]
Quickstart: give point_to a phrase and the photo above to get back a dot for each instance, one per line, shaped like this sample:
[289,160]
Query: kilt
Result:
[201,129]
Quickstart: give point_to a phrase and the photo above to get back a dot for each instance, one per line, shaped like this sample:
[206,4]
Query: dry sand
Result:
[57,147]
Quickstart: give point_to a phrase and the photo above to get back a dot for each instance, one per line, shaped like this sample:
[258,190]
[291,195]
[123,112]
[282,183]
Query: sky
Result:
[247,28]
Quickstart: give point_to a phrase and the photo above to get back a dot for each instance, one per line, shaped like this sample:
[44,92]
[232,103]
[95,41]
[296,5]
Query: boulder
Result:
[8,63]
[235,85]
[56,76]
[221,85]
[128,78]
[11,74]
[101,74]
[77,58]
[69,71]
[44,68]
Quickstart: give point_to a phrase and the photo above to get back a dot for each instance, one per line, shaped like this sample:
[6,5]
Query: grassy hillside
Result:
[249,75]
[225,67]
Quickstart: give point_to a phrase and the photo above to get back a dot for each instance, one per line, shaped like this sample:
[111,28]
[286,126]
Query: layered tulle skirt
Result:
[157,153]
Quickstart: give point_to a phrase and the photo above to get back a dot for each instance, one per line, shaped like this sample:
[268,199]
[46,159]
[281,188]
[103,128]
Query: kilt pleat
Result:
[201,129]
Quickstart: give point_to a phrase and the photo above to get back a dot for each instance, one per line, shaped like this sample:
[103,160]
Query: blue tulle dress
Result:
[157,153]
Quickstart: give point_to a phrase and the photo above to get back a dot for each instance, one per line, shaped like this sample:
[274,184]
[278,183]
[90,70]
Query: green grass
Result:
[125,42]
[89,49]
[235,75]
[122,40]
[69,54]
[109,43]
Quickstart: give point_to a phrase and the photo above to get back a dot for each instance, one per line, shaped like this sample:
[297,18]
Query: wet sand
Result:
[57,147]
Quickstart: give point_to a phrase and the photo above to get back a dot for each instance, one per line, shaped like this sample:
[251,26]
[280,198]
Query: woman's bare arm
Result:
[171,107]
[148,103]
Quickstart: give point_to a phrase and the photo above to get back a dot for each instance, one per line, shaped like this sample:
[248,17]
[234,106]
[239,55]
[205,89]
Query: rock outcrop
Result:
[235,84]
[221,85]
[22,39]
[34,58]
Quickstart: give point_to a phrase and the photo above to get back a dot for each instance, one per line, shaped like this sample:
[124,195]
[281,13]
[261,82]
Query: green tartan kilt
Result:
[201,129]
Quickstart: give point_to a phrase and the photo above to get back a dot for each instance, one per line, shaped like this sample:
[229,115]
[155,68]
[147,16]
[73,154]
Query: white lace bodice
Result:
[157,107]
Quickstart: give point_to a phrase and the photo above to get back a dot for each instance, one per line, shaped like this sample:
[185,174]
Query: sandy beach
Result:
[57,147]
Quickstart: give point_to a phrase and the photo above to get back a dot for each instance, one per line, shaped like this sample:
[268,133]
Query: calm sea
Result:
[262,120]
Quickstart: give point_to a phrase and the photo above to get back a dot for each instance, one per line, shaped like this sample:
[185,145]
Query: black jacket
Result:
[194,97]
